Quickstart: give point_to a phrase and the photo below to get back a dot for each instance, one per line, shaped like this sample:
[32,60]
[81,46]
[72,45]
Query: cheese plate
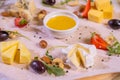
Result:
[103,63]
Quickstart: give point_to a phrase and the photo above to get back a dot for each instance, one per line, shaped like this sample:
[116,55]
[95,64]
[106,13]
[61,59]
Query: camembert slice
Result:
[81,57]
[24,54]
[72,51]
[75,60]
[9,55]
[6,45]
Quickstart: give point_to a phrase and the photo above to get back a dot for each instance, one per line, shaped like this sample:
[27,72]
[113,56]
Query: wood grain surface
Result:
[109,76]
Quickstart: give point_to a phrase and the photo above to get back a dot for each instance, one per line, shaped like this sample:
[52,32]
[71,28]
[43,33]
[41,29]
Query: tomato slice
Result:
[99,42]
[20,22]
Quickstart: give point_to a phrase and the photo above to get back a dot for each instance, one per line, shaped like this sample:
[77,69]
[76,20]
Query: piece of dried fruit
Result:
[46,59]
[43,44]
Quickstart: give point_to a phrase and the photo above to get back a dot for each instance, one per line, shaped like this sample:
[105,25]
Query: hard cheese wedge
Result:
[102,4]
[24,54]
[6,45]
[9,55]
[95,15]
[108,12]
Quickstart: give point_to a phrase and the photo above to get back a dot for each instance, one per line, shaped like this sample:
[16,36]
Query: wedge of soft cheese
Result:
[24,54]
[102,4]
[108,12]
[95,15]
[6,45]
[83,56]
[9,55]
[75,59]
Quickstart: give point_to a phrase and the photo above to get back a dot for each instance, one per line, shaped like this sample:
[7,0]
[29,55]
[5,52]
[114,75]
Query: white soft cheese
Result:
[88,52]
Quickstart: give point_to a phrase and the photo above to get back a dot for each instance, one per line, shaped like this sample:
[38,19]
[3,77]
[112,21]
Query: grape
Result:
[49,2]
[114,23]
[38,66]
[3,35]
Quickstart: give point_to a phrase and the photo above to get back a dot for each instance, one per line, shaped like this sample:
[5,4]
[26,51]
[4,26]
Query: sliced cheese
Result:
[6,45]
[9,55]
[81,57]
[82,47]
[102,4]
[75,60]
[95,15]
[24,54]
[72,51]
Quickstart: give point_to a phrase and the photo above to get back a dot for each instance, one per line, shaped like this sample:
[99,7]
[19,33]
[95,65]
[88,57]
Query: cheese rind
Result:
[95,15]
[9,55]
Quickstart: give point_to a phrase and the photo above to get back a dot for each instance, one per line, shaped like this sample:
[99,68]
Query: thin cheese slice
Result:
[73,50]
[82,47]
[9,55]
[6,45]
[75,60]
[81,57]
[24,55]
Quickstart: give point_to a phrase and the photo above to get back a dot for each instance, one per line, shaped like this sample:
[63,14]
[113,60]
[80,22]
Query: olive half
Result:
[3,35]
[114,23]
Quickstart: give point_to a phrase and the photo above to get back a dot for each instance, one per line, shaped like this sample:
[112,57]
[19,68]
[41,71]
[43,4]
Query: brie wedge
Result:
[81,55]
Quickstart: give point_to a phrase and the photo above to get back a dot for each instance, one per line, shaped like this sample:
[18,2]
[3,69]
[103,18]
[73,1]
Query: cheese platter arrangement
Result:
[54,40]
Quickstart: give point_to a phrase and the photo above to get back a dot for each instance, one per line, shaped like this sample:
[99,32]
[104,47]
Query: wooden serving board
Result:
[108,76]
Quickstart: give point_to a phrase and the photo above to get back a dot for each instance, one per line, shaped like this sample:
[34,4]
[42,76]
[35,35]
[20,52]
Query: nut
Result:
[58,61]
[43,44]
[42,14]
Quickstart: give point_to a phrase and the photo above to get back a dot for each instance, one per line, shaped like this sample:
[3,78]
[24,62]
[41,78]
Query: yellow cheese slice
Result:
[6,45]
[75,60]
[81,57]
[24,54]
[9,55]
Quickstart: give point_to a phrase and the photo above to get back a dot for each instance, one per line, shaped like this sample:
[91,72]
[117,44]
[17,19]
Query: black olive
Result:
[38,66]
[114,23]
[3,35]
[49,2]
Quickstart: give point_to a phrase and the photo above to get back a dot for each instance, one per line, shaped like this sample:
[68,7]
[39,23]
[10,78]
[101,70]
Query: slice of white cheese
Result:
[75,59]
[72,51]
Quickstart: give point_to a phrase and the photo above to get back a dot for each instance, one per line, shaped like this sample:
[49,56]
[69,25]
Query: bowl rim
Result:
[76,19]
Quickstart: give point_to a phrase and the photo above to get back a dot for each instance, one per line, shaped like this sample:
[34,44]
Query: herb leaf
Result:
[47,54]
[57,71]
